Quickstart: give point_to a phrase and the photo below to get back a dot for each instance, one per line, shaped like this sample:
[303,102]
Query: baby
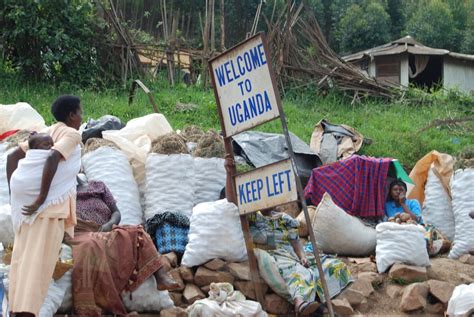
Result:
[40,141]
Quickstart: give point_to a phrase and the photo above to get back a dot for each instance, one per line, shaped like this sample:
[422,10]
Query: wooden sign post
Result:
[247,96]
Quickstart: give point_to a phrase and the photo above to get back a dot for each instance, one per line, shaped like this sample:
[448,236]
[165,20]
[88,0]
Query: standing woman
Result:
[46,212]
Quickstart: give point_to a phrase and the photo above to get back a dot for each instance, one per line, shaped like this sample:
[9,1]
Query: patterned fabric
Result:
[356,184]
[391,209]
[95,203]
[170,231]
[278,230]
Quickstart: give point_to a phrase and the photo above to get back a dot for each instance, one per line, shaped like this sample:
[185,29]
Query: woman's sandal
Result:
[307,308]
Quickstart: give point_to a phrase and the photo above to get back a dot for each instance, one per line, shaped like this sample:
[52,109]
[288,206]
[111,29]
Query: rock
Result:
[442,291]
[206,289]
[354,297]
[435,309]
[174,312]
[206,277]
[192,293]
[407,274]
[172,258]
[174,273]
[364,286]
[274,304]
[247,288]
[466,279]
[467,259]
[215,265]
[393,291]
[166,264]
[186,274]
[374,278]
[342,307]
[184,107]
[367,267]
[363,307]
[176,297]
[240,271]
[414,297]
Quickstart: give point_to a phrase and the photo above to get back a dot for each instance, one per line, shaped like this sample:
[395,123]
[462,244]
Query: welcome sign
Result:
[243,85]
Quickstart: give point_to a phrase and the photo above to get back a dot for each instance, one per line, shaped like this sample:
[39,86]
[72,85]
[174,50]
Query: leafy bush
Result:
[52,40]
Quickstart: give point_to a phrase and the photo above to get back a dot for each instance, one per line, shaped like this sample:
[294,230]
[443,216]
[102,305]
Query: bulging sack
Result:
[215,232]
[147,299]
[398,243]
[111,167]
[462,184]
[7,234]
[4,194]
[340,233]
[437,209]
[210,178]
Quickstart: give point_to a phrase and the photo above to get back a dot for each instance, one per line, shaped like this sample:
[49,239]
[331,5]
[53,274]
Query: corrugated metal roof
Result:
[405,44]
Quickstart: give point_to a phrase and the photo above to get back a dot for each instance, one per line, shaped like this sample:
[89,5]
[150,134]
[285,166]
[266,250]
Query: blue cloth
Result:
[391,209]
[171,238]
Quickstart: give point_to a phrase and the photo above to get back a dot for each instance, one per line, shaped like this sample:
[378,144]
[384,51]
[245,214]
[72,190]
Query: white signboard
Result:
[243,86]
[265,187]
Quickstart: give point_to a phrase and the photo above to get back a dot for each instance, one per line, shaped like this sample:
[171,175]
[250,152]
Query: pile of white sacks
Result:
[143,185]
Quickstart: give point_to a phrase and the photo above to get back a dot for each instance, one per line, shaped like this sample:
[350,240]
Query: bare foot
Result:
[164,282]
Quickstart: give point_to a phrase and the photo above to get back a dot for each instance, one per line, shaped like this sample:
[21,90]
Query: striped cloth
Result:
[356,184]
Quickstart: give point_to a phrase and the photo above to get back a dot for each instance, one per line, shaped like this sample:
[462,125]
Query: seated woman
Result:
[277,233]
[109,259]
[397,204]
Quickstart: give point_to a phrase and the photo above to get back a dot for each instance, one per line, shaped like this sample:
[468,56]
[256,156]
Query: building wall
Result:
[458,73]
[404,70]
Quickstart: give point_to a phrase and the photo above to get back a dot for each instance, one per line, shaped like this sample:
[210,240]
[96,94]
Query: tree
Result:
[468,36]
[395,10]
[433,25]
[363,27]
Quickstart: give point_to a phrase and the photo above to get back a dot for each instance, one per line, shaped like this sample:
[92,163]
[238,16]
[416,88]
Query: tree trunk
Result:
[222,27]
[213,26]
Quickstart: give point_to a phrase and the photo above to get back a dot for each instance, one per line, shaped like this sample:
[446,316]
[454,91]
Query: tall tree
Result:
[397,18]
[468,35]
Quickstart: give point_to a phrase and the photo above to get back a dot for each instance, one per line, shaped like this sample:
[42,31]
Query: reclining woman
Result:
[397,205]
[277,234]
[109,259]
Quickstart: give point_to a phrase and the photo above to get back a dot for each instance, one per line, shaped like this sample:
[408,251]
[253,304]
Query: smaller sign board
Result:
[266,187]
[244,87]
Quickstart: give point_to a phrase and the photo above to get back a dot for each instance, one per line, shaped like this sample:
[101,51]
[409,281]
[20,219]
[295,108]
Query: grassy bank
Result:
[394,128]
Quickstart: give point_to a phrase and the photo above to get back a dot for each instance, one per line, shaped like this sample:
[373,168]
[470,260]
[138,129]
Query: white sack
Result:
[65,282]
[397,243]
[215,232]
[462,186]
[111,167]
[210,178]
[53,300]
[7,234]
[169,184]
[437,209]
[4,195]
[340,233]
[20,116]
[462,300]
[147,298]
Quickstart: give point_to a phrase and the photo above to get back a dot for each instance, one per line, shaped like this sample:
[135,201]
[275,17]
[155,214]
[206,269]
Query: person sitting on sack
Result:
[108,258]
[400,209]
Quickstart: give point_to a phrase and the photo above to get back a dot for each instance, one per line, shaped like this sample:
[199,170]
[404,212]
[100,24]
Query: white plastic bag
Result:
[7,234]
[53,300]
[462,186]
[215,232]
[65,282]
[169,184]
[111,167]
[462,300]
[210,178]
[340,233]
[4,195]
[397,243]
[20,116]
[147,298]
[437,209]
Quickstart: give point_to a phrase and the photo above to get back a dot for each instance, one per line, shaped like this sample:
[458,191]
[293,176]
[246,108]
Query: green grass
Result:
[394,128]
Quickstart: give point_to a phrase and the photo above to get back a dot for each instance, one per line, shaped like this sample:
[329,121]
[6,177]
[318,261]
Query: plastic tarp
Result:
[20,116]
[260,149]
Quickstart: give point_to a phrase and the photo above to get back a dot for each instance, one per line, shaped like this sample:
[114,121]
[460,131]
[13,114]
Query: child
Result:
[40,141]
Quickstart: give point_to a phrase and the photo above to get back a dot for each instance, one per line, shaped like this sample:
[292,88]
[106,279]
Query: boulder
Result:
[172,258]
[342,307]
[206,277]
[165,262]
[442,291]
[186,274]
[241,271]
[408,274]
[367,267]
[374,278]
[414,297]
[206,289]
[354,297]
[364,286]
[192,293]
[176,275]
[393,291]
[467,259]
[435,309]
[176,297]
[215,265]
[363,306]
[174,312]
[277,305]
[466,279]
[247,288]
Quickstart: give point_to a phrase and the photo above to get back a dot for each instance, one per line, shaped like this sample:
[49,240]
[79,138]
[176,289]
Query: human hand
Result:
[304,262]
[106,227]
[229,163]
[402,198]
[31,209]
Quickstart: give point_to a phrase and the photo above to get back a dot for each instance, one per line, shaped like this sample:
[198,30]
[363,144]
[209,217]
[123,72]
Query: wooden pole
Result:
[222,26]
[213,26]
